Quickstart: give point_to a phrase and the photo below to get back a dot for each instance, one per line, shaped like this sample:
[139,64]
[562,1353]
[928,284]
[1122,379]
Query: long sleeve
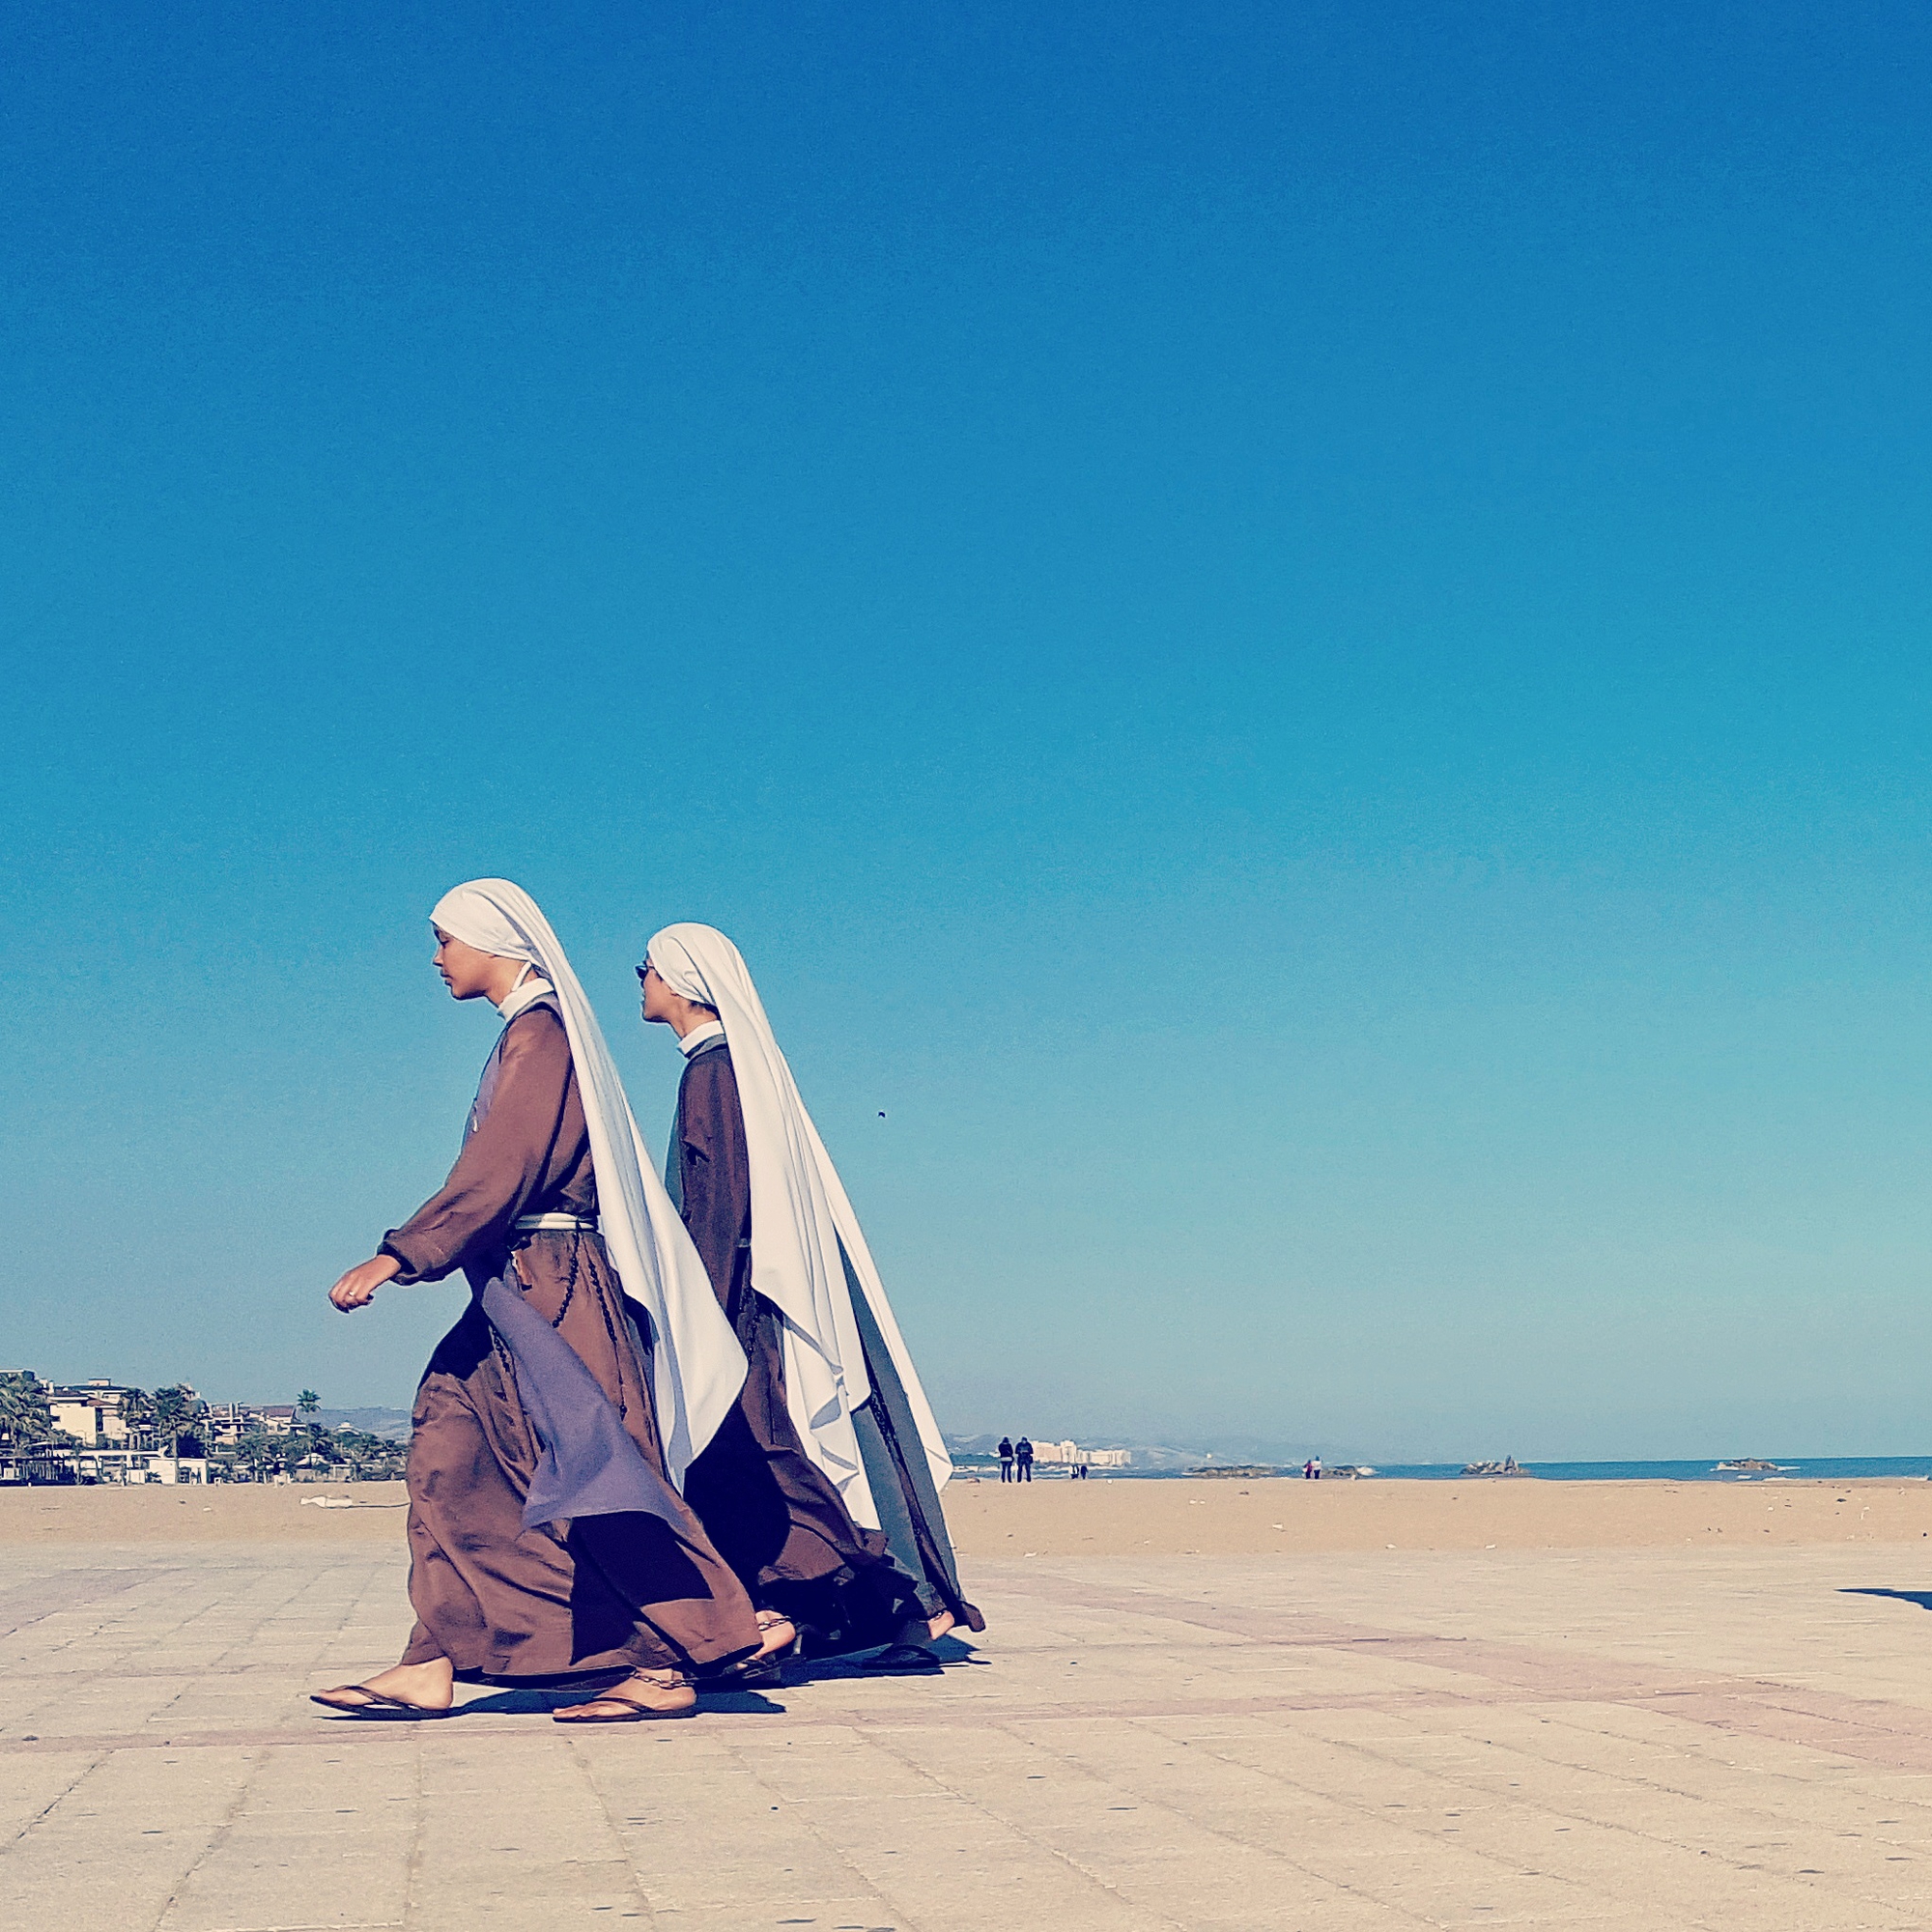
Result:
[508,1159]
[714,1165]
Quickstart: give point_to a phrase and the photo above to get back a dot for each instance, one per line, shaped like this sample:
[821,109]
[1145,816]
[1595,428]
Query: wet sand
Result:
[1212,1518]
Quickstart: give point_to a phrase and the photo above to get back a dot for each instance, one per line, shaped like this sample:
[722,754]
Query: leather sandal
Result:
[378,1707]
[764,1668]
[613,1707]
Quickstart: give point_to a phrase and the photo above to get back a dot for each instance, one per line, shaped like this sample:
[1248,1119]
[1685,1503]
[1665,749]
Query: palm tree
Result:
[250,1448]
[174,1410]
[308,1406]
[25,1414]
[137,1412]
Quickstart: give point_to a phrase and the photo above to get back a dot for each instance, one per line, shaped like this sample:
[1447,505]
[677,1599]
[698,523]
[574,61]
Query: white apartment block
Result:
[93,1412]
[229,1421]
[1073,1456]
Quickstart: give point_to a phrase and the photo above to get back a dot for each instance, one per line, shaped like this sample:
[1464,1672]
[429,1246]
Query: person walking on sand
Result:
[548,1540]
[822,1488]
[1006,1459]
[1023,1456]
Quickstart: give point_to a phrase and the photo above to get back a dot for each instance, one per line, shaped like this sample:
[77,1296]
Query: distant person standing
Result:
[1023,1457]
[1006,1459]
[1308,1470]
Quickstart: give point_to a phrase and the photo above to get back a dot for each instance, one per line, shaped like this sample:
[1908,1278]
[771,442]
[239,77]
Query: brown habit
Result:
[606,1592]
[774,1515]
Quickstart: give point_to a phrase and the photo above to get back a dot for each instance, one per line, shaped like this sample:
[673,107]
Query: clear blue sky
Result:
[1296,634]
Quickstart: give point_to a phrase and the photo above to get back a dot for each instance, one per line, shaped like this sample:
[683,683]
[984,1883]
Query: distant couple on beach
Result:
[676,1435]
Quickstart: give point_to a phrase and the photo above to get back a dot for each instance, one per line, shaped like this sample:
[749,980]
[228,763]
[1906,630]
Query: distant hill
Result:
[393,1423]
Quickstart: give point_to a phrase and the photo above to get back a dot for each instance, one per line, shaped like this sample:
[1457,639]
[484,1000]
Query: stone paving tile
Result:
[1608,1843]
[704,1833]
[307,1845]
[1581,1742]
[31,1785]
[858,1914]
[115,1848]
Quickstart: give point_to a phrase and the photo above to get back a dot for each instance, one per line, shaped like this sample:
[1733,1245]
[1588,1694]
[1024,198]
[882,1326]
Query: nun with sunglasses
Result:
[821,1488]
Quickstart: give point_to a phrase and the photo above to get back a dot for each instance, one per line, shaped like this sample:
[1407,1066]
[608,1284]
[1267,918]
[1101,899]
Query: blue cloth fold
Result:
[589,1464]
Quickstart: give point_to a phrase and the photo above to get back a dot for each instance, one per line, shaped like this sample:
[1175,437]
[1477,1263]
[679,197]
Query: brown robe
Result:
[601,1594]
[773,1513]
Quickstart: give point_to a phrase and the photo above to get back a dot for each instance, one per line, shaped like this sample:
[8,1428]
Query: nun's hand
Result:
[357,1288]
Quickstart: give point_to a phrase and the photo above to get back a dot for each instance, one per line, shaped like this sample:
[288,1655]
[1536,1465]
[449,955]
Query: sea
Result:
[1793,1468]
[1790,1468]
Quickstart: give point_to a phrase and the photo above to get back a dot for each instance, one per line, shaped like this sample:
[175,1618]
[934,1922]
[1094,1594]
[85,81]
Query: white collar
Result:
[526,992]
[700,1035]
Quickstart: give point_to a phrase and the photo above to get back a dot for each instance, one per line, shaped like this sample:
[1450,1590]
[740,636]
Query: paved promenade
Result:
[1649,1740]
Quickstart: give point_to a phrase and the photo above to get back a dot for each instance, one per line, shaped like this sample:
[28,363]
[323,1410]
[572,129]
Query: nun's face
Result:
[657,998]
[467,970]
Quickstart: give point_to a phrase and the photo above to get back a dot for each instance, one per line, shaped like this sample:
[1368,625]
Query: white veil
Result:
[697,1365]
[799,1214]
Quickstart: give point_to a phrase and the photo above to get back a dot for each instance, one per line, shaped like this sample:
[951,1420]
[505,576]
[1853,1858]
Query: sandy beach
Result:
[1278,1516]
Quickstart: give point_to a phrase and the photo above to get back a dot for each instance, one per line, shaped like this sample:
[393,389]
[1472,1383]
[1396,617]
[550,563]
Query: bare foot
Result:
[427,1687]
[764,1668]
[922,1632]
[777,1634]
[641,1695]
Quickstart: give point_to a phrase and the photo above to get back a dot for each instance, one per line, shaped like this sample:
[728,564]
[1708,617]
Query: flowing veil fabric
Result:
[800,1220]
[697,1367]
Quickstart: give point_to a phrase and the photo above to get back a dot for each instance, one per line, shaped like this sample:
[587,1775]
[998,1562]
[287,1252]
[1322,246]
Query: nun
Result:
[821,1488]
[549,1543]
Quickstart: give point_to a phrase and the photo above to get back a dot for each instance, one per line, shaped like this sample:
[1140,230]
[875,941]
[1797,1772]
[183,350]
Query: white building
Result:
[45,1463]
[137,1467]
[229,1421]
[94,1412]
[1072,1455]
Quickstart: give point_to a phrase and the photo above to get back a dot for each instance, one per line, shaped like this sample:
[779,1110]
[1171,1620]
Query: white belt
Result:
[549,1224]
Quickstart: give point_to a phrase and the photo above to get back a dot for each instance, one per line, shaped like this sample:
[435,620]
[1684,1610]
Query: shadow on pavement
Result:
[520,1703]
[747,1703]
[950,1652]
[540,1703]
[1922,1598]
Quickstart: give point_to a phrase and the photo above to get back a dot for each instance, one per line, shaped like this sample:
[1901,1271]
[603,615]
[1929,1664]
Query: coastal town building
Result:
[134,1465]
[53,1463]
[100,1431]
[229,1421]
[92,1413]
[1070,1455]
